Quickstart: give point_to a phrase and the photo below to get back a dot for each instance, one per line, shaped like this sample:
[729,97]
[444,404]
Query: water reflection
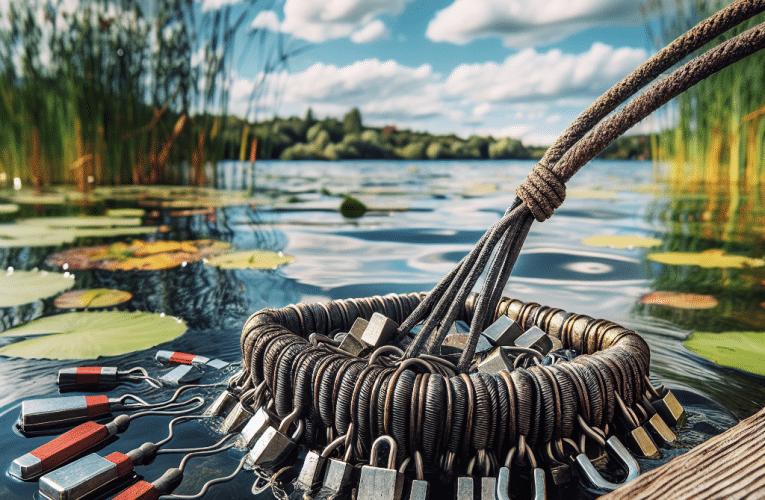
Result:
[410,250]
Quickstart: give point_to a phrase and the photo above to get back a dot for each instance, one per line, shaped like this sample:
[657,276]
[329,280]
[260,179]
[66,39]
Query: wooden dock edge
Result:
[728,466]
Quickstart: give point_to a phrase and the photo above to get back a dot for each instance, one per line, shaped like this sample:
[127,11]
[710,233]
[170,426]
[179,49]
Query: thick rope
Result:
[537,192]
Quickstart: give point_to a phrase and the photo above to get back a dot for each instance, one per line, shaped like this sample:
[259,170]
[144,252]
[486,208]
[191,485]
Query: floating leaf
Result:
[138,255]
[98,297]
[618,241]
[23,287]
[88,335]
[8,208]
[680,300]
[83,221]
[742,350]
[708,259]
[251,259]
[352,208]
[20,235]
[125,212]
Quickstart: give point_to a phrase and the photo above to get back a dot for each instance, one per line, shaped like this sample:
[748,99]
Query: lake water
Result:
[424,217]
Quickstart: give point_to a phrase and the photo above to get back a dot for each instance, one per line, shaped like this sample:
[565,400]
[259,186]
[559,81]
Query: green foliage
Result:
[507,148]
[352,122]
[352,208]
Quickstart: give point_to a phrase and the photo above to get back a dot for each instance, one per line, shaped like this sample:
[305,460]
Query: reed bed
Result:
[108,94]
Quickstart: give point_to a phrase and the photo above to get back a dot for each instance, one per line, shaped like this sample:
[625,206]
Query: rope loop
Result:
[542,191]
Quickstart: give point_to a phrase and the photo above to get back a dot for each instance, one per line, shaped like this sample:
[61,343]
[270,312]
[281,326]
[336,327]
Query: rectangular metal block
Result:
[237,418]
[78,479]
[455,343]
[338,476]
[355,346]
[670,410]
[421,490]
[357,330]
[465,488]
[660,431]
[257,425]
[271,449]
[380,484]
[222,405]
[49,412]
[312,471]
[488,488]
[641,443]
[379,330]
[217,363]
[496,361]
[535,338]
[504,331]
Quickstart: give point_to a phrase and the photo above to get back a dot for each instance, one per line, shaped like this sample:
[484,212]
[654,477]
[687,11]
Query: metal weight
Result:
[637,438]
[312,471]
[379,330]
[257,425]
[420,489]
[85,476]
[504,331]
[225,401]
[535,338]
[656,426]
[340,473]
[378,483]
[666,405]
[455,343]
[243,411]
[496,361]
[274,445]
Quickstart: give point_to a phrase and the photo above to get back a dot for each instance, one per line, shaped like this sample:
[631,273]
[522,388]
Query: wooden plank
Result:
[728,466]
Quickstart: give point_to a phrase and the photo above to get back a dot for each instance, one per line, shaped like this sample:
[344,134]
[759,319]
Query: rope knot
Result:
[542,191]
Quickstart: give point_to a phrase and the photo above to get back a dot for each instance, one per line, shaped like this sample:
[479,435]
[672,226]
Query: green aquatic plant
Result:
[352,208]
[742,350]
[89,335]
[251,259]
[91,299]
[23,287]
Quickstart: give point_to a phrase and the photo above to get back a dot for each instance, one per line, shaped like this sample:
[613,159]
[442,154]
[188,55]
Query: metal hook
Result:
[616,449]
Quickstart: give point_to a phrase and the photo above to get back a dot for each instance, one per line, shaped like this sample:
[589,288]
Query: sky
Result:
[507,68]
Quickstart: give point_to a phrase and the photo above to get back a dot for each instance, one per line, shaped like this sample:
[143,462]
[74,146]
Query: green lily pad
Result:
[352,208]
[8,208]
[23,287]
[125,212]
[251,259]
[742,350]
[91,299]
[20,235]
[709,259]
[620,241]
[89,221]
[88,335]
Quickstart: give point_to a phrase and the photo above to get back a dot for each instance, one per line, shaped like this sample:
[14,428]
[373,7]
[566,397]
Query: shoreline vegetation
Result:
[332,139]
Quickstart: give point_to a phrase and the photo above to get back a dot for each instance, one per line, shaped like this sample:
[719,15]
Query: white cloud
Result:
[520,23]
[210,5]
[552,119]
[530,76]
[371,32]
[266,20]
[322,20]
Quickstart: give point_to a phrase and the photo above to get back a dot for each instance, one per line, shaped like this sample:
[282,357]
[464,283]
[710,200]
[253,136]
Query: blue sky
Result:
[515,68]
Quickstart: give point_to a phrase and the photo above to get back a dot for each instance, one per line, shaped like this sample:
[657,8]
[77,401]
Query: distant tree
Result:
[352,122]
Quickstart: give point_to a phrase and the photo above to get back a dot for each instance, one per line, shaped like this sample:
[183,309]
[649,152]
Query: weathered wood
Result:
[729,466]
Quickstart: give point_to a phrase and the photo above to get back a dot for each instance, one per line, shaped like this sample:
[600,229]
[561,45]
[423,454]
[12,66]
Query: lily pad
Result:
[8,208]
[251,259]
[23,287]
[618,241]
[742,350]
[88,335]
[91,299]
[138,255]
[21,235]
[125,212]
[709,259]
[83,221]
[680,300]
[352,208]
